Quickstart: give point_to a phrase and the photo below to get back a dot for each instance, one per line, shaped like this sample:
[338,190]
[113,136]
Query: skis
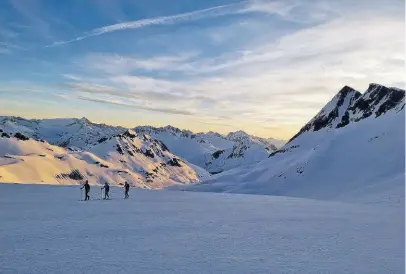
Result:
[97,199]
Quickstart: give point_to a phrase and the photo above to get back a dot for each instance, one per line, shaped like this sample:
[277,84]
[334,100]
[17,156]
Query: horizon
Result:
[200,66]
[224,133]
[135,126]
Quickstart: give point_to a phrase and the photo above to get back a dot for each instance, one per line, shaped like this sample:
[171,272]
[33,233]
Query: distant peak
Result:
[84,120]
[237,134]
[346,89]
[172,128]
[375,85]
[130,133]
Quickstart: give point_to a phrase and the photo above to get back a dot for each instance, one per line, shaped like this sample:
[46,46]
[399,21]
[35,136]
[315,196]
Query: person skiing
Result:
[126,188]
[106,188]
[87,189]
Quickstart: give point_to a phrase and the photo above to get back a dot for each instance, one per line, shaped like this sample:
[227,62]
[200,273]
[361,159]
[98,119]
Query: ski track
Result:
[45,229]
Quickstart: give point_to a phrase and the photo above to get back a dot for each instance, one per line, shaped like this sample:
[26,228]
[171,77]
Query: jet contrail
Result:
[163,20]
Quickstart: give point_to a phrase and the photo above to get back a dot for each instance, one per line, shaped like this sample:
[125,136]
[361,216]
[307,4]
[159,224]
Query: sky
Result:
[263,66]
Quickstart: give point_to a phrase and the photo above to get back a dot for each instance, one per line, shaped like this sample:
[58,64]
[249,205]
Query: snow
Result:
[361,161]
[65,132]
[39,162]
[234,150]
[45,229]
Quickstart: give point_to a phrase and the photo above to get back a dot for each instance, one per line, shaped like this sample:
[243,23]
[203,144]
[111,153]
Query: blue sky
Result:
[259,65]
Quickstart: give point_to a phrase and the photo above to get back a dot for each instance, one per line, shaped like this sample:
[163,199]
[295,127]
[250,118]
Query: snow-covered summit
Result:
[377,100]
[65,132]
[213,151]
[350,106]
[237,135]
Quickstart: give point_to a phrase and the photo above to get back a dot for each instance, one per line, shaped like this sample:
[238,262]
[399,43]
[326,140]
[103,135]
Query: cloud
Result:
[145,96]
[274,64]
[113,63]
[163,20]
[161,110]
[72,77]
[288,79]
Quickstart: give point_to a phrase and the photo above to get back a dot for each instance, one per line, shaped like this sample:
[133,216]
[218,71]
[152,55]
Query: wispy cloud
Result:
[121,104]
[289,79]
[143,95]
[163,20]
[118,64]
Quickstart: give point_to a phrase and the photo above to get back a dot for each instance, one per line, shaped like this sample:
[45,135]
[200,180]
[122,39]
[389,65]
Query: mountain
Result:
[350,106]
[70,132]
[352,149]
[210,151]
[140,160]
[213,151]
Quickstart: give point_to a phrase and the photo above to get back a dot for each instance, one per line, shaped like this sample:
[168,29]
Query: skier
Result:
[106,190]
[127,188]
[87,189]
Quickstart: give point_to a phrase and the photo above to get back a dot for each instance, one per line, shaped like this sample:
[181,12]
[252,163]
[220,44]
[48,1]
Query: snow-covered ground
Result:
[46,229]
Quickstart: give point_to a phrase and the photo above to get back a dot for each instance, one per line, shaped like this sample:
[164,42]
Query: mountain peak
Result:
[346,90]
[84,120]
[349,105]
[237,134]
[331,114]
[130,133]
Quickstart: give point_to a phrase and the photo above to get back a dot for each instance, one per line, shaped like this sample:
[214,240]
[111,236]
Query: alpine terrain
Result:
[333,193]
[353,149]
[140,160]
[213,151]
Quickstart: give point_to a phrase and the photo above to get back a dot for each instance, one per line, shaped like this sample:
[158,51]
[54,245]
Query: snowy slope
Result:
[364,160]
[69,132]
[212,151]
[142,162]
[45,229]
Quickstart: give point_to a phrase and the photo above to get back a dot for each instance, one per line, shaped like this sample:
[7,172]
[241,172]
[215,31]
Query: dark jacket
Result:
[106,187]
[86,186]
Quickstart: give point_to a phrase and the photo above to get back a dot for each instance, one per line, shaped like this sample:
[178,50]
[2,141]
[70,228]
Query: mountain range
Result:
[354,146]
[145,156]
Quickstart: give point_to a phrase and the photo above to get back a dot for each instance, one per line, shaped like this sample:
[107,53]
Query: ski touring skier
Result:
[126,188]
[106,188]
[86,186]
